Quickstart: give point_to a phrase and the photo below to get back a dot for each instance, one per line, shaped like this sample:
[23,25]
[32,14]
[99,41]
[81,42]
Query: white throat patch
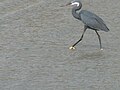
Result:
[75,3]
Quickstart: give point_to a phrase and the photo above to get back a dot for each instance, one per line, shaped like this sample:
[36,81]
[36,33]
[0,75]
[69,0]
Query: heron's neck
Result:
[75,13]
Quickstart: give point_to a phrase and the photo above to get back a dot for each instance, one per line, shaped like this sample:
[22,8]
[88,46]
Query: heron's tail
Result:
[107,29]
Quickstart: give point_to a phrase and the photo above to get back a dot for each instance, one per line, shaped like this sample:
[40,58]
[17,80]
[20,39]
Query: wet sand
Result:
[34,39]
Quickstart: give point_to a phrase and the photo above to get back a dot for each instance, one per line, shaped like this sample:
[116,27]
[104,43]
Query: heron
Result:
[89,19]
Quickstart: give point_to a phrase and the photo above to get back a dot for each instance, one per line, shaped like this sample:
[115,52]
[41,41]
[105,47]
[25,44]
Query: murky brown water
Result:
[34,40]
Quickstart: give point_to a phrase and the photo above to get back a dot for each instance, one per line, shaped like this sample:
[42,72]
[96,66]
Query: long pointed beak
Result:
[66,4]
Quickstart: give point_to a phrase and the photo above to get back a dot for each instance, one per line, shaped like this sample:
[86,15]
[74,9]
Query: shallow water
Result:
[35,37]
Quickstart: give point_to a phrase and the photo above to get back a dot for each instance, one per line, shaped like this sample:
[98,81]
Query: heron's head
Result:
[75,3]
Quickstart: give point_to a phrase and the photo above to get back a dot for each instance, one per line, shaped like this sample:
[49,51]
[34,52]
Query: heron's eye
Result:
[75,3]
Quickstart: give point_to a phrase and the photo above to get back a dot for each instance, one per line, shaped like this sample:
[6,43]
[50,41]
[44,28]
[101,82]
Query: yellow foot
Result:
[71,48]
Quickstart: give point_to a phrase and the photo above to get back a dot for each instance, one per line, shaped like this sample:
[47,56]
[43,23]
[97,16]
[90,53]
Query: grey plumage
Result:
[90,20]
[93,21]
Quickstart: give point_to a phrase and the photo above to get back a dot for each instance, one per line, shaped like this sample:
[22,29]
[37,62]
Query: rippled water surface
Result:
[34,39]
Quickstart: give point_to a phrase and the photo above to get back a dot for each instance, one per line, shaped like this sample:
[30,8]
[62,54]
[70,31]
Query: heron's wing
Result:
[93,21]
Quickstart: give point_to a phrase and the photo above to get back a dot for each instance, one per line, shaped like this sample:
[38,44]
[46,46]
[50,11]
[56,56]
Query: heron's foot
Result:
[101,49]
[72,48]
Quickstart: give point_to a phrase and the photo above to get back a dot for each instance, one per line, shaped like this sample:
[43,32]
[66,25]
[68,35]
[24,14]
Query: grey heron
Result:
[90,20]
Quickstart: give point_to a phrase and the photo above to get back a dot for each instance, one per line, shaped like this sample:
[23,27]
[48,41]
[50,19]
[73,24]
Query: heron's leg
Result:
[72,47]
[99,40]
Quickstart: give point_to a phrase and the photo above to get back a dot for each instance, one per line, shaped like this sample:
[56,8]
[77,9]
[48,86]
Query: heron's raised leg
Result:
[72,47]
[99,40]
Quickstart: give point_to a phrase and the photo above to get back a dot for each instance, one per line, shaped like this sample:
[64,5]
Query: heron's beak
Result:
[66,4]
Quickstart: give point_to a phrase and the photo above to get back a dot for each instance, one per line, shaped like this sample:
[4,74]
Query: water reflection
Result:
[92,55]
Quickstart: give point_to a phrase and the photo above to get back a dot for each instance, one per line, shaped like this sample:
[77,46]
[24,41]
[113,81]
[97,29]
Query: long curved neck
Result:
[75,13]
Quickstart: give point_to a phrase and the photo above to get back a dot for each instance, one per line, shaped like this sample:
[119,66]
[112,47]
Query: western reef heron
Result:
[90,20]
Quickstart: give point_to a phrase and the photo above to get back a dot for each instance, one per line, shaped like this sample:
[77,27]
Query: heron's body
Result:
[90,20]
